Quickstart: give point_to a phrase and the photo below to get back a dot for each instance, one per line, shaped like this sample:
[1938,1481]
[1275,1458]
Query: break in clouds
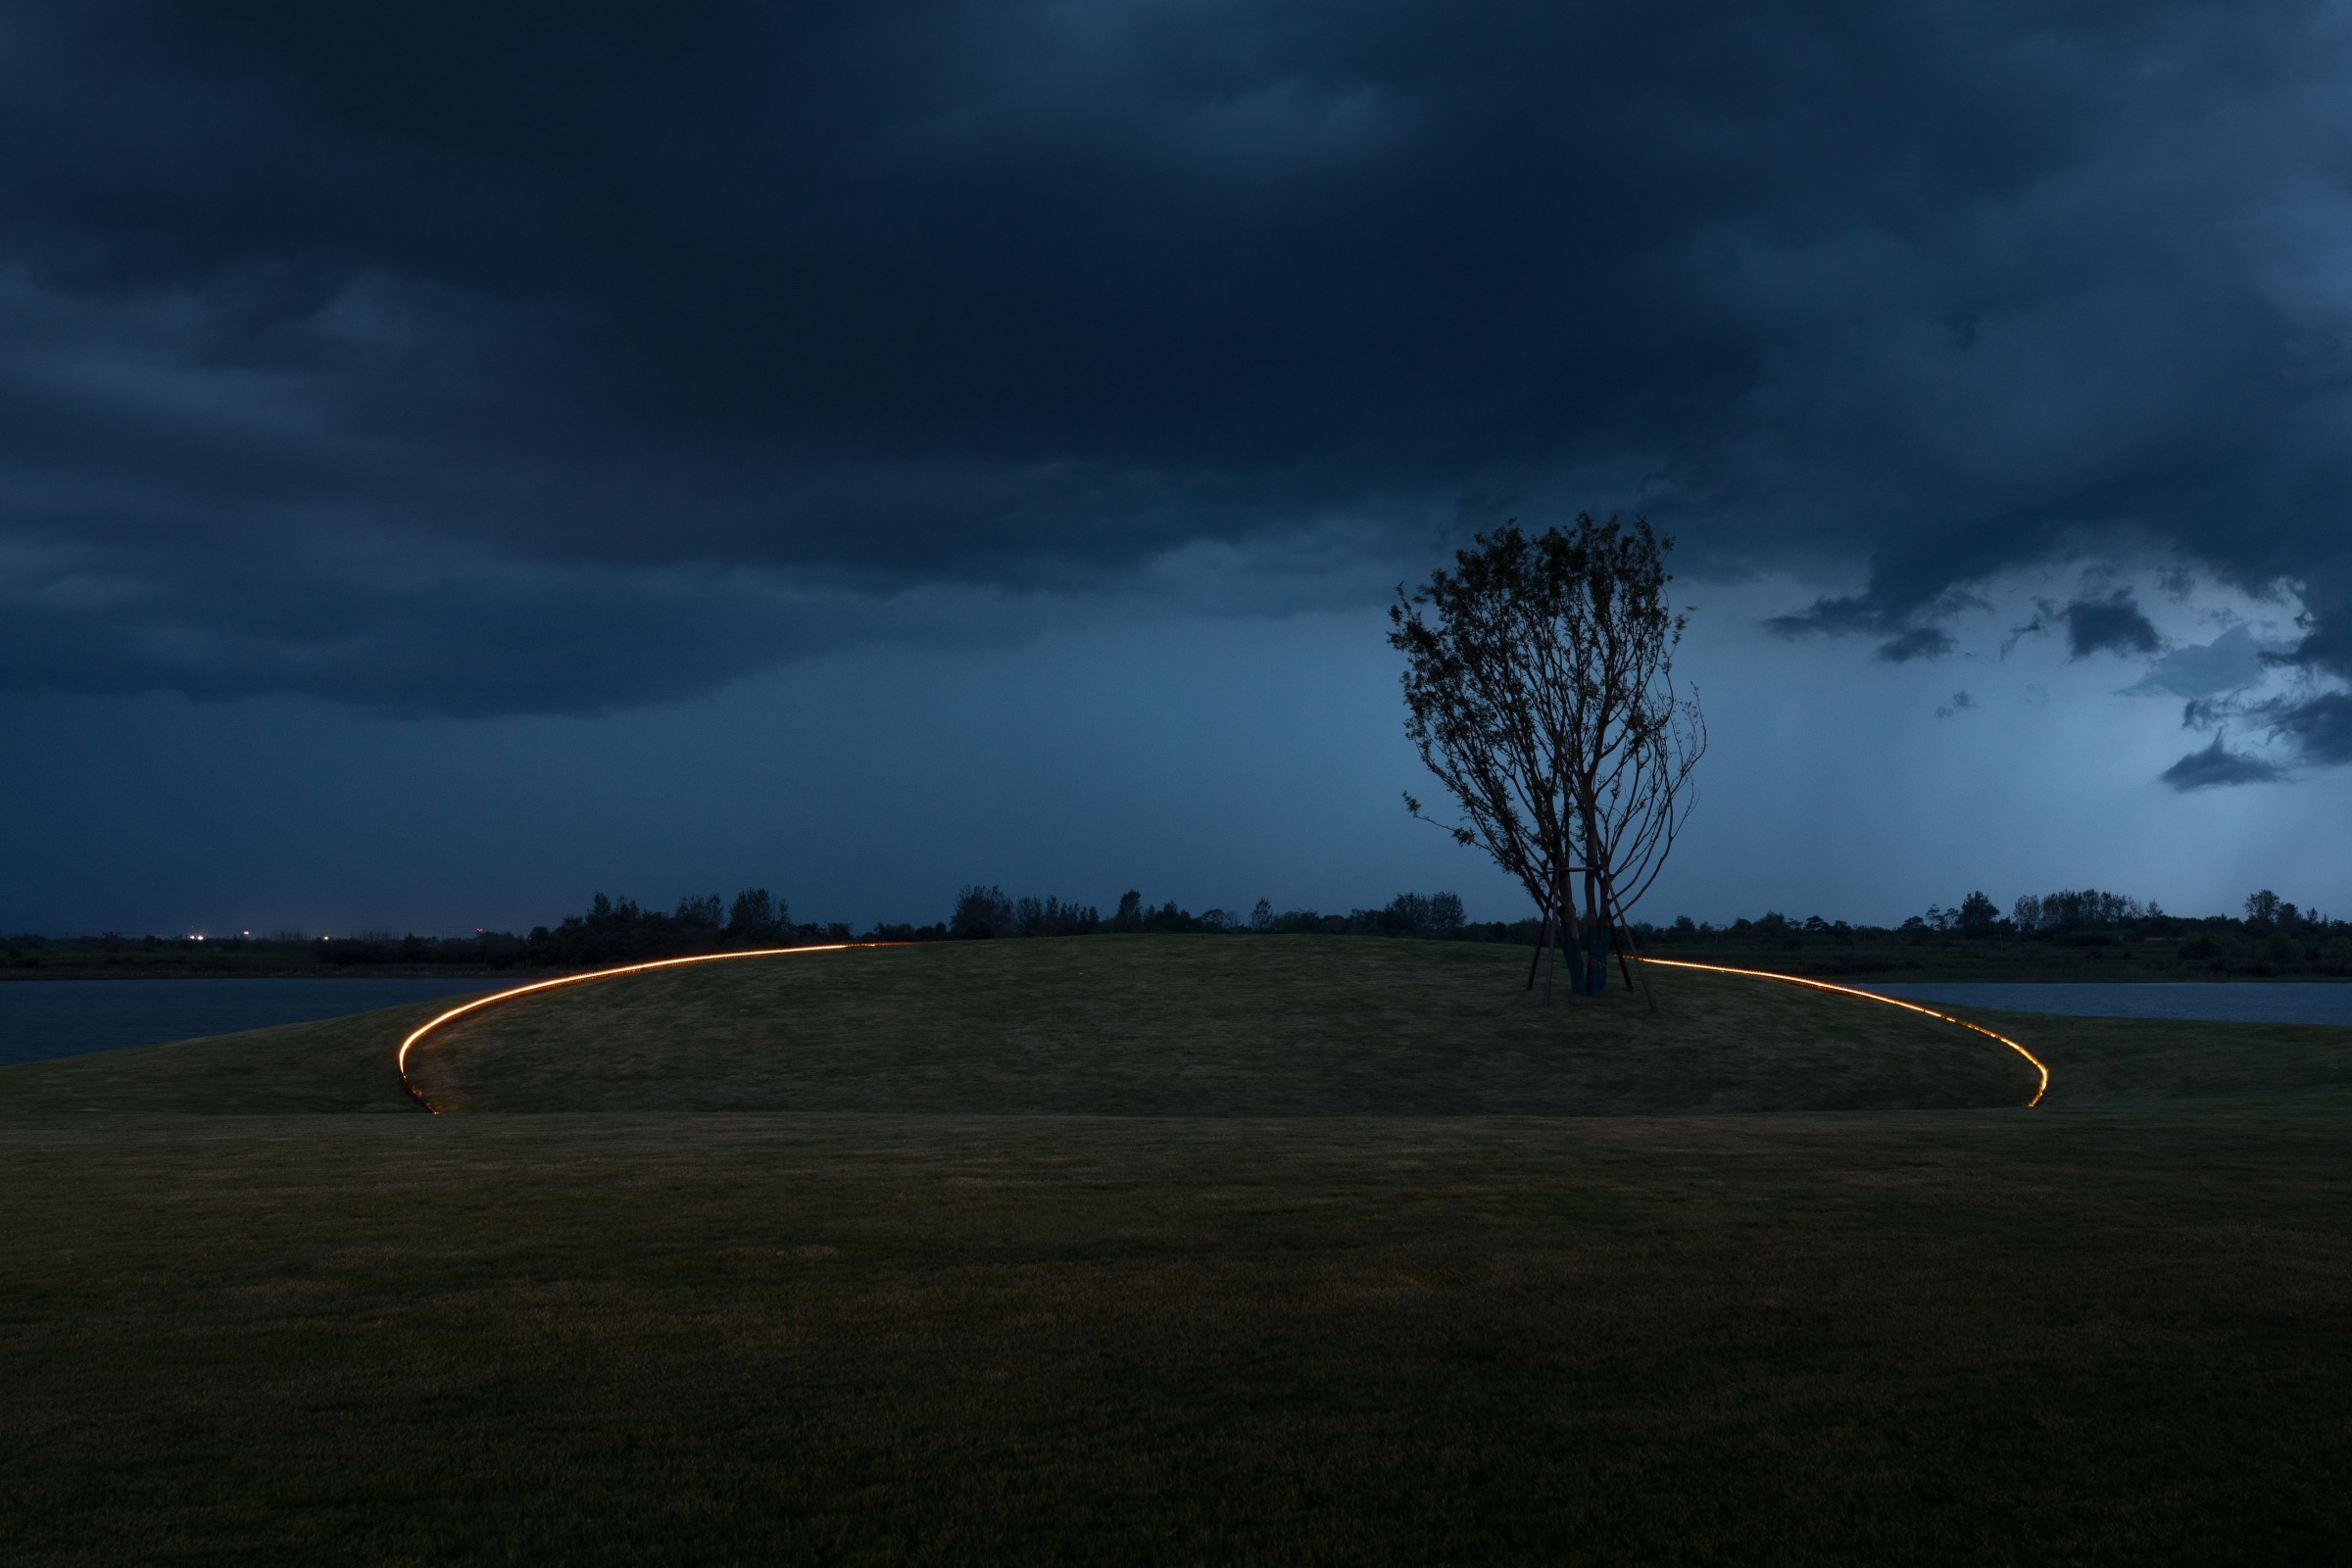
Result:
[480,358]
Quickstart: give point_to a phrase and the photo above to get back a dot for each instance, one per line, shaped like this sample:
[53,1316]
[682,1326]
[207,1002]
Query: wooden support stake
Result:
[1550,960]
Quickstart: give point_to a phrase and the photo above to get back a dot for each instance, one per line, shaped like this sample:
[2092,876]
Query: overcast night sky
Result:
[455,459]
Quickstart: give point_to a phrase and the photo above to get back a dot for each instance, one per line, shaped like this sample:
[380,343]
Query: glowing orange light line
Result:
[1872,996]
[400,1063]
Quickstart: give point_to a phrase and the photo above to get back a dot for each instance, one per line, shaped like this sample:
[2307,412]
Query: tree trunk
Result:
[1575,933]
[1639,967]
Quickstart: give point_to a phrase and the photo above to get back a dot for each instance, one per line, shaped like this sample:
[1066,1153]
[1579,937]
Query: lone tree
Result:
[1539,687]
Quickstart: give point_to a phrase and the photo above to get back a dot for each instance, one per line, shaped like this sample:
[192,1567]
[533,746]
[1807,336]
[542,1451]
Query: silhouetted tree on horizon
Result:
[983,911]
[758,916]
[1539,688]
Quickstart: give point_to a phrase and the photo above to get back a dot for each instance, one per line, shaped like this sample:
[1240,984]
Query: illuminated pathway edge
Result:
[1849,991]
[400,1063]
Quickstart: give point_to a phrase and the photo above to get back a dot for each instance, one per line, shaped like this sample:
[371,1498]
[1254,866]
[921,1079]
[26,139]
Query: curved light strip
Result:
[401,1061]
[1872,996]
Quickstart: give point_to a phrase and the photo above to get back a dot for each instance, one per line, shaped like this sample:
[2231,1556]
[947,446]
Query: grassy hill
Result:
[1179,1250]
[1173,1026]
[1187,1026]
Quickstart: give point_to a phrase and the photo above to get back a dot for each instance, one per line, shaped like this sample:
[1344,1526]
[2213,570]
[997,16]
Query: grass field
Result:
[1180,1249]
[1293,1026]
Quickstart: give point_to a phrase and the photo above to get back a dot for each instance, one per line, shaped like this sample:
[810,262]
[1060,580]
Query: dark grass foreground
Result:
[2116,1332]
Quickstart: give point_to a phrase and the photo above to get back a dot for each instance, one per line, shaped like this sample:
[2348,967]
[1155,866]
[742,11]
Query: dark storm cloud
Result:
[2321,727]
[376,635]
[2112,624]
[2215,766]
[1913,641]
[567,356]
[1857,615]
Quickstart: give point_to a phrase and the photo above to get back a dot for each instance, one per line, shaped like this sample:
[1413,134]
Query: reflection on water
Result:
[2212,1001]
[44,1018]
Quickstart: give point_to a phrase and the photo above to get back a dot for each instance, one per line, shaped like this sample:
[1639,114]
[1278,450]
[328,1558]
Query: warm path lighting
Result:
[401,1061]
[1843,990]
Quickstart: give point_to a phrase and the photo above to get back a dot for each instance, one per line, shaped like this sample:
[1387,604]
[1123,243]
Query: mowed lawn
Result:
[1235,1026]
[1180,1249]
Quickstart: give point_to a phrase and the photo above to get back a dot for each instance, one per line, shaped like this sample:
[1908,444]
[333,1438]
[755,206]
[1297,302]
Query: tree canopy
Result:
[1539,688]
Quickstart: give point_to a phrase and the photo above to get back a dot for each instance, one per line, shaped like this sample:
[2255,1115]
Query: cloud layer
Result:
[497,358]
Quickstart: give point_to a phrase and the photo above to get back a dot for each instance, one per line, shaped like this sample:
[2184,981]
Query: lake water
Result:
[2212,1001]
[44,1018]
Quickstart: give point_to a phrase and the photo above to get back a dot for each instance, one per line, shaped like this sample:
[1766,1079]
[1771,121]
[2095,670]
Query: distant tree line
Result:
[618,931]
[615,931]
[2270,937]
[987,911]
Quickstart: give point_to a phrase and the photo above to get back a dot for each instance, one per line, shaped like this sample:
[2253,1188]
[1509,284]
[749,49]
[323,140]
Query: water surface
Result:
[44,1018]
[2210,1001]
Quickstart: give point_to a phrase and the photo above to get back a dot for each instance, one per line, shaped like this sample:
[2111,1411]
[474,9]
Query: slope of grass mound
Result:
[331,1065]
[1190,1026]
[1186,1025]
